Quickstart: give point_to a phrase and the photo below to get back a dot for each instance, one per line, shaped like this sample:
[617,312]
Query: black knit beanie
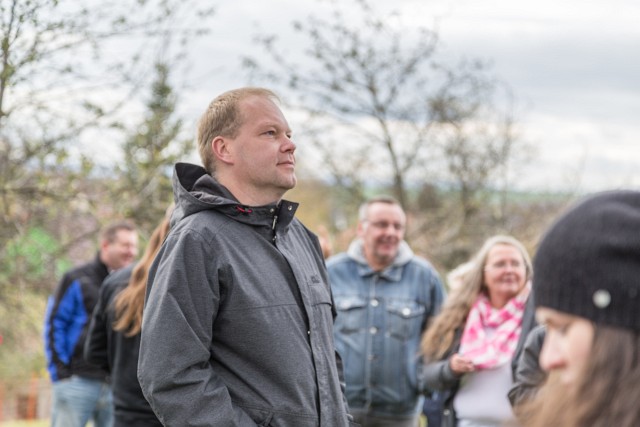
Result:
[588,262]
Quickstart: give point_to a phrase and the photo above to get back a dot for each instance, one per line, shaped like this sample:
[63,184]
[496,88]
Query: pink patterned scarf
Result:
[488,352]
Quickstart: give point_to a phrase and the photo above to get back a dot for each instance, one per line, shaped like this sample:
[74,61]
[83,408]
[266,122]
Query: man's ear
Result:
[360,228]
[104,245]
[221,147]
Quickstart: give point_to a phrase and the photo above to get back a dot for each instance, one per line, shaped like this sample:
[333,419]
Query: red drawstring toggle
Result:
[243,210]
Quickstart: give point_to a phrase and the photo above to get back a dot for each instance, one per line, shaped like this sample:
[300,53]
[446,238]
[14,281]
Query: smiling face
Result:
[381,232]
[259,160]
[505,274]
[567,344]
[120,252]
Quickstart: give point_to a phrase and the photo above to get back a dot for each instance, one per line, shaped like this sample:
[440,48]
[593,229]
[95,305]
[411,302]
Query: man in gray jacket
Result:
[237,327]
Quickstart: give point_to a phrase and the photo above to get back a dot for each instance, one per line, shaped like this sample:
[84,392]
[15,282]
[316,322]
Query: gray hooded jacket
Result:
[238,319]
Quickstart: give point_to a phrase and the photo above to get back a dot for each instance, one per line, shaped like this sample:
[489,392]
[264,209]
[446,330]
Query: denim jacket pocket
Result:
[352,313]
[405,318]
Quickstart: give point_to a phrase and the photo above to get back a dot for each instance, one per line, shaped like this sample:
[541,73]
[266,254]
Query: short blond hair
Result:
[223,118]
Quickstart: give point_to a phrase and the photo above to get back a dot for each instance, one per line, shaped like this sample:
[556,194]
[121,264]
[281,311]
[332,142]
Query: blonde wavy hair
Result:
[129,302]
[438,338]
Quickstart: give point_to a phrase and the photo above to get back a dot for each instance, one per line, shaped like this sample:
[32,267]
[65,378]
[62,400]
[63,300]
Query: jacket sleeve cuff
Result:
[446,373]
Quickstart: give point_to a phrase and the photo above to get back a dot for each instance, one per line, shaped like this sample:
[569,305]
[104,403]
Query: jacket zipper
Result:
[273,227]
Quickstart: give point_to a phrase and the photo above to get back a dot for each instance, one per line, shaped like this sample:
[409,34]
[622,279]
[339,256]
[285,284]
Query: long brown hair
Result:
[606,393]
[438,338]
[129,302]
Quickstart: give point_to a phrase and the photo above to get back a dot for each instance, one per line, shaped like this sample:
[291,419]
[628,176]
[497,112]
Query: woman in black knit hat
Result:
[587,287]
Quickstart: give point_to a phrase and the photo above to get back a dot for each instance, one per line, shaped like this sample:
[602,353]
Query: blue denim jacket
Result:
[381,317]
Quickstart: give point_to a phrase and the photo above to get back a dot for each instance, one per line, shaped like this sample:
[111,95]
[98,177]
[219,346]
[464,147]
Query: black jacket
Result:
[528,375]
[528,324]
[67,320]
[118,354]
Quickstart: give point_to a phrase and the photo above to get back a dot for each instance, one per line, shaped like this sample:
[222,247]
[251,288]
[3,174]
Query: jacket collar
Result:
[195,190]
[393,272]
[101,267]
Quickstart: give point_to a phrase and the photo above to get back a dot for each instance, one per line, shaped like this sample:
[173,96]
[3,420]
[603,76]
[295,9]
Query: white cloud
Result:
[573,64]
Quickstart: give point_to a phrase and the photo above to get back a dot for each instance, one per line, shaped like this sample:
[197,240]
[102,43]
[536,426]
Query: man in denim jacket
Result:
[384,295]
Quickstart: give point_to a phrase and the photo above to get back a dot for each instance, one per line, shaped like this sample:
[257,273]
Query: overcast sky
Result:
[573,65]
[576,64]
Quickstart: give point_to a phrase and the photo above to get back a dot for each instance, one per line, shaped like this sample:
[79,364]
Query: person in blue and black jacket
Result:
[80,390]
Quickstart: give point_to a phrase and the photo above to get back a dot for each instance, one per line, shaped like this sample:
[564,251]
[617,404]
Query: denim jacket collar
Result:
[392,273]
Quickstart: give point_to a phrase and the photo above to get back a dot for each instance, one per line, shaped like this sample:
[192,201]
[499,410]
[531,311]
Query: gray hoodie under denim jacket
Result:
[238,319]
[381,318]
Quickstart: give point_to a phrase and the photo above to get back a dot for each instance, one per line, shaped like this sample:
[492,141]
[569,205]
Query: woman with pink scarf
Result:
[469,346]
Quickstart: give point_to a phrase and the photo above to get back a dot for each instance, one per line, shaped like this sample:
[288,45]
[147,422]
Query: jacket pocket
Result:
[352,313]
[405,318]
[320,293]
[267,421]
[262,417]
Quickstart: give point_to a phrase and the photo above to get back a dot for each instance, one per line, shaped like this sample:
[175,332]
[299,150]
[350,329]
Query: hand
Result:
[460,364]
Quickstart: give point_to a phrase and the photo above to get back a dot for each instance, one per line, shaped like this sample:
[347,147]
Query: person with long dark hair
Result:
[113,339]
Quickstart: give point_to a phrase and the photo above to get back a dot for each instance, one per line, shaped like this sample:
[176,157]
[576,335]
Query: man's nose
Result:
[289,145]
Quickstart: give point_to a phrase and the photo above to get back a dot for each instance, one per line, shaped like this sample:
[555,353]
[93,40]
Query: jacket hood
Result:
[356,252]
[195,190]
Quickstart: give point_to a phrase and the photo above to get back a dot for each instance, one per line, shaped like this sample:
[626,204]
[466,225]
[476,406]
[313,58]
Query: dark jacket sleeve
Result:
[438,376]
[438,293]
[174,367]
[97,341]
[528,376]
[528,324]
